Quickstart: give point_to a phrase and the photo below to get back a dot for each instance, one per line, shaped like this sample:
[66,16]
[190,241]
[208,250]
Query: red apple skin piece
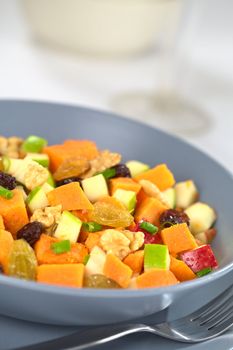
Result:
[199,258]
[148,237]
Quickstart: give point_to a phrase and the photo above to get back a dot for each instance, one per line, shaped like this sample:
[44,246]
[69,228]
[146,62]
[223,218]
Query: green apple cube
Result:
[170,197]
[136,167]
[201,216]
[42,159]
[96,261]
[37,199]
[34,144]
[186,193]
[50,180]
[95,187]
[156,256]
[47,187]
[128,198]
[68,227]
[21,189]
[18,168]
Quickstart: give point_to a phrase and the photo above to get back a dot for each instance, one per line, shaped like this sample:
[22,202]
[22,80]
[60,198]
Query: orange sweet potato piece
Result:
[6,244]
[45,254]
[124,183]
[119,272]
[2,226]
[67,275]
[71,148]
[181,270]
[70,196]
[93,239]
[150,209]
[135,261]
[141,196]
[178,238]
[160,175]
[14,212]
[156,278]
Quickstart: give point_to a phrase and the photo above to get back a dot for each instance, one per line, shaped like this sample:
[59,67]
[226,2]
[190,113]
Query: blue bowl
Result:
[65,306]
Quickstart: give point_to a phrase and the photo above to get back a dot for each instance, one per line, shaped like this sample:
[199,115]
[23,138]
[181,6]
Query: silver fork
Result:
[208,322]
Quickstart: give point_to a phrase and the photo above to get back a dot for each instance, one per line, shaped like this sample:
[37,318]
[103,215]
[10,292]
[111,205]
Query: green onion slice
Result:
[204,272]
[61,247]
[108,173]
[4,192]
[92,226]
[147,226]
[86,258]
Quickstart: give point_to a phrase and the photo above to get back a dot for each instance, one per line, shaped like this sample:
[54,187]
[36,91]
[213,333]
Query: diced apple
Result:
[50,180]
[68,227]
[47,187]
[200,258]
[201,216]
[156,256]
[19,187]
[206,236]
[170,197]
[95,187]
[186,194]
[37,199]
[136,167]
[96,261]
[42,159]
[127,198]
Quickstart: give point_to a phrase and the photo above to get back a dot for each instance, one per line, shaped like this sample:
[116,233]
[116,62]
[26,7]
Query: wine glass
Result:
[167,107]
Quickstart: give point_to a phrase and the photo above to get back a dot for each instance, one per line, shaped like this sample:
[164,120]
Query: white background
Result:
[29,70]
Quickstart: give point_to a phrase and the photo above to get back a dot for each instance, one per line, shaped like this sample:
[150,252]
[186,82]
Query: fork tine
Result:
[212,305]
[220,318]
[223,326]
[216,312]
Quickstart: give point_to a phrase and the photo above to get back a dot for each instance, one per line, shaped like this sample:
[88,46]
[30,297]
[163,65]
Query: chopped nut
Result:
[11,146]
[35,175]
[104,161]
[153,191]
[47,216]
[121,243]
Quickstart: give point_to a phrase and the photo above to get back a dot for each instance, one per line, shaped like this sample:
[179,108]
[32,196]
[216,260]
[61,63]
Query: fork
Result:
[206,323]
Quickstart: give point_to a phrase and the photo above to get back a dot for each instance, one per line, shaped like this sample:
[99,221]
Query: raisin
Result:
[22,261]
[99,281]
[121,170]
[7,181]
[68,181]
[31,232]
[172,217]
[108,214]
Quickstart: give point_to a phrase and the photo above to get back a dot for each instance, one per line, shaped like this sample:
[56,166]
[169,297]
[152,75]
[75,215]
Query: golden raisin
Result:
[71,167]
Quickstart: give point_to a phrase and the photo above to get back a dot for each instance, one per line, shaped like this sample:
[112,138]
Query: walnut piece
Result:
[153,191]
[104,161]
[47,216]
[10,146]
[121,243]
[35,175]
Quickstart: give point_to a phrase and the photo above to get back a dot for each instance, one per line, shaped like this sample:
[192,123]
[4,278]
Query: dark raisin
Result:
[1,270]
[121,170]
[31,232]
[7,181]
[68,181]
[172,217]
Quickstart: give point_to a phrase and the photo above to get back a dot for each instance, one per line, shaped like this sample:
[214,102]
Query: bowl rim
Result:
[115,293]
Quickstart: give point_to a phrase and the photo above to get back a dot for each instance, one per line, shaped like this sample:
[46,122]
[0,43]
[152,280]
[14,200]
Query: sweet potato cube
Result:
[135,261]
[178,238]
[181,270]
[150,210]
[124,183]
[70,196]
[156,278]
[45,255]
[14,212]
[2,226]
[160,175]
[6,244]
[71,148]
[66,275]
[119,272]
